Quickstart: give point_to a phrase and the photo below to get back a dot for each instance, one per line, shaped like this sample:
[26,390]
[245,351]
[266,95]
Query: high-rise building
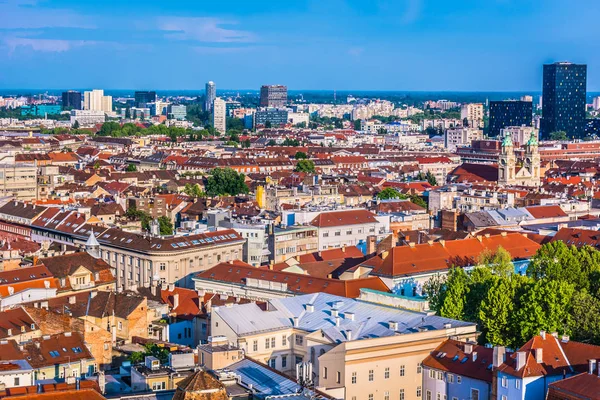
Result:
[95,100]
[220,115]
[273,116]
[509,113]
[564,92]
[142,98]
[210,95]
[273,96]
[177,111]
[71,100]
[596,103]
[473,114]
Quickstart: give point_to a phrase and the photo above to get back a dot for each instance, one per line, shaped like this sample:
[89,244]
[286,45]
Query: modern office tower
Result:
[177,111]
[273,116]
[564,92]
[71,100]
[210,95]
[142,98]
[95,100]
[273,96]
[509,113]
[231,106]
[158,107]
[220,115]
[473,113]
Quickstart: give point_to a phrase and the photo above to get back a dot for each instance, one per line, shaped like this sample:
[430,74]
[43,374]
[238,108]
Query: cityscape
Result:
[267,241]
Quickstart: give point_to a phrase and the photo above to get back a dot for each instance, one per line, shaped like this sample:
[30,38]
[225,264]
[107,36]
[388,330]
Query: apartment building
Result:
[219,115]
[473,114]
[349,228]
[461,136]
[358,349]
[18,181]
[286,242]
[95,100]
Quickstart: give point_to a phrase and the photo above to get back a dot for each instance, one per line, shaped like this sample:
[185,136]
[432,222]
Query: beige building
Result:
[220,115]
[292,241]
[358,349]
[326,194]
[95,100]
[456,137]
[473,113]
[18,181]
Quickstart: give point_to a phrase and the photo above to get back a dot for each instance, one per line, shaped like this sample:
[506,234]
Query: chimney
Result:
[349,335]
[343,248]
[271,264]
[543,335]
[171,287]
[393,325]
[334,313]
[539,355]
[371,244]
[498,357]
[72,299]
[520,360]
[474,356]
[468,348]
[310,308]
[443,243]
[565,339]
[93,294]
[175,300]
[296,322]
[337,321]
[349,316]
[591,366]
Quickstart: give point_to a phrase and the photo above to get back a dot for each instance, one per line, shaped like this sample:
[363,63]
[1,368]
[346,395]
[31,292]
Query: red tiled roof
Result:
[189,302]
[342,218]
[332,254]
[449,357]
[578,237]
[584,386]
[546,211]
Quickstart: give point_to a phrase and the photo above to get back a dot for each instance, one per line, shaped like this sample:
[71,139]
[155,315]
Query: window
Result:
[518,383]
[284,340]
[120,325]
[401,394]
[17,383]
[272,342]
[474,394]
[338,233]
[386,395]
[273,363]
[338,377]
[324,372]
[431,374]
[370,396]
[325,234]
[158,386]
[255,345]
[458,379]
[402,370]
[370,375]
[419,368]
[163,266]
[439,396]
[299,340]
[298,359]
[440,376]
[504,397]
[267,343]
[428,395]
[386,373]
[354,378]
[450,378]
[283,361]
[419,391]
[504,382]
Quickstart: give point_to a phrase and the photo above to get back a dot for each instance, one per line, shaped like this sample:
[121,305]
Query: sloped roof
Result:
[584,386]
[343,218]
[546,211]
[449,357]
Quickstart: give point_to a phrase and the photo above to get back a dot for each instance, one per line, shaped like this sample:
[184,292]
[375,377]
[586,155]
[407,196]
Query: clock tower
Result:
[506,162]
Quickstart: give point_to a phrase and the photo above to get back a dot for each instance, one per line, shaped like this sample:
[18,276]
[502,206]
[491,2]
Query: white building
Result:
[298,118]
[87,117]
[15,373]
[596,103]
[519,134]
[95,100]
[473,113]
[220,115]
[349,228]
[455,137]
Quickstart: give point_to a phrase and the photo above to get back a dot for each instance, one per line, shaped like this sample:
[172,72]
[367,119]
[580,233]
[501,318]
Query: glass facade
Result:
[563,99]
[71,100]
[273,96]
[509,113]
[142,98]
[275,116]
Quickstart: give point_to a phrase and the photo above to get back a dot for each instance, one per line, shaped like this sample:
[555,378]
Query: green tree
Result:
[300,155]
[291,142]
[558,135]
[268,124]
[496,311]
[585,324]
[139,215]
[108,128]
[137,357]
[225,182]
[246,144]
[357,124]
[499,262]
[305,166]
[418,201]
[272,142]
[456,294]
[390,193]
[193,190]
[76,125]
[435,290]
[131,168]
[165,225]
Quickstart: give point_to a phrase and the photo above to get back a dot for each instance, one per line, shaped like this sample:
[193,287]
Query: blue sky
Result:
[431,45]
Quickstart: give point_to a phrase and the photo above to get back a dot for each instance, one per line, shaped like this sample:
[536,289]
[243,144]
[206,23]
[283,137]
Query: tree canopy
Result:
[305,166]
[225,182]
[558,135]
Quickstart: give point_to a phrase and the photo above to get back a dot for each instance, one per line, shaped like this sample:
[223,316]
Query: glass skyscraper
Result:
[563,99]
[509,113]
[211,95]
[142,98]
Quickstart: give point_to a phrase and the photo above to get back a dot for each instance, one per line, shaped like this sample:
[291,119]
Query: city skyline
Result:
[425,46]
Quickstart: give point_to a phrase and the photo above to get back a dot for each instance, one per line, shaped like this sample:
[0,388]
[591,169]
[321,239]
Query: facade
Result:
[564,99]
[15,373]
[519,134]
[358,349]
[41,110]
[292,241]
[71,100]
[142,98]
[210,95]
[527,174]
[95,100]
[473,114]
[18,181]
[152,376]
[219,121]
[455,137]
[87,117]
[509,113]
[273,116]
[273,96]
[177,111]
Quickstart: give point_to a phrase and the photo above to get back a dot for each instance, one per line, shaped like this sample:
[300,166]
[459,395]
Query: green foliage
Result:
[131,168]
[496,309]
[305,166]
[196,114]
[558,135]
[585,321]
[300,155]
[225,182]
[235,124]
[429,177]
[418,201]
[151,349]
[390,193]
[139,215]
[291,142]
[454,302]
[165,225]
[357,125]
[272,142]
[246,144]
[193,190]
[499,262]
[76,125]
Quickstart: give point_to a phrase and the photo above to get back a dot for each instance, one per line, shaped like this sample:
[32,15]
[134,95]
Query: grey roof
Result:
[266,381]
[370,320]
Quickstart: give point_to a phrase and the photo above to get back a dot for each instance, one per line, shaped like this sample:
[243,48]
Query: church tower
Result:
[532,159]
[507,162]
[92,247]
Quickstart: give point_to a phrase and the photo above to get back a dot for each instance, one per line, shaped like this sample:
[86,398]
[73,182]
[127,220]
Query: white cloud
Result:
[209,30]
